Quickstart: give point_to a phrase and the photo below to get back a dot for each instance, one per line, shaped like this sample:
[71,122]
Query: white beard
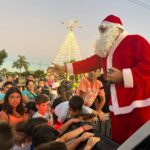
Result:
[106,40]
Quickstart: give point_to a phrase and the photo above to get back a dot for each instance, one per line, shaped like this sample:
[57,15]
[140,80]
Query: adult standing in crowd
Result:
[89,88]
[127,60]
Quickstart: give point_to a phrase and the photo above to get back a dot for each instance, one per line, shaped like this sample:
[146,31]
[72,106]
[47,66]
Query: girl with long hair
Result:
[13,110]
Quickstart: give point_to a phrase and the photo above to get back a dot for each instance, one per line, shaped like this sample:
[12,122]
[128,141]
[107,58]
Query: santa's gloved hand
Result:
[115,75]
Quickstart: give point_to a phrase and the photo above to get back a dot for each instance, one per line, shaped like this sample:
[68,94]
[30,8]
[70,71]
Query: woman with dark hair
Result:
[29,94]
[13,110]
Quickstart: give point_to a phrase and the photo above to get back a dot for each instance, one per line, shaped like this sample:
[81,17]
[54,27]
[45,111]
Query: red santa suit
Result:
[130,99]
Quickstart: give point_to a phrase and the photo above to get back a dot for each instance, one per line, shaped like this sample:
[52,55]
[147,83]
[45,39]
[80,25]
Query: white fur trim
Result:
[114,97]
[114,24]
[128,78]
[113,48]
[131,107]
[109,65]
[70,69]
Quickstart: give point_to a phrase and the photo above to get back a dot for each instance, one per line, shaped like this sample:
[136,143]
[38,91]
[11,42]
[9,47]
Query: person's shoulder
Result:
[25,91]
[98,81]
[57,101]
[86,109]
[26,147]
[135,40]
[2,95]
[84,79]
[36,115]
[136,37]
[62,104]
[3,116]
[2,113]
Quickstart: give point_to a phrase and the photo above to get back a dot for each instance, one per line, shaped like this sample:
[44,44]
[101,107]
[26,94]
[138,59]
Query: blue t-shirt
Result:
[2,95]
[30,95]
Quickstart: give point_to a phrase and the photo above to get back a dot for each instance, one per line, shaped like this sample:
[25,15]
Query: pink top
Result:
[91,90]
[15,120]
[11,119]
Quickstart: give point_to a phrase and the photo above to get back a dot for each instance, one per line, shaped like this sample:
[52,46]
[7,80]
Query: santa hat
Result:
[113,20]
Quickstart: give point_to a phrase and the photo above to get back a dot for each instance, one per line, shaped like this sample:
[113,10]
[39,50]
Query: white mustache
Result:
[105,42]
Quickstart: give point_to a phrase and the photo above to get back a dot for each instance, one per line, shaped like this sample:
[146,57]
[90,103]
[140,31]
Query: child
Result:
[13,111]
[6,136]
[71,108]
[22,140]
[43,134]
[61,93]
[43,107]
[5,87]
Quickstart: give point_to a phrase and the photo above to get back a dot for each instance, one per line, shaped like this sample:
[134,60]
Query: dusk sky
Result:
[32,27]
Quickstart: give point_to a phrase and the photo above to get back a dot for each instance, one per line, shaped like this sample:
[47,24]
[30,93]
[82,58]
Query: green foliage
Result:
[3,55]
[69,61]
[73,78]
[26,73]
[75,85]
[39,74]
[3,71]
[36,73]
[21,63]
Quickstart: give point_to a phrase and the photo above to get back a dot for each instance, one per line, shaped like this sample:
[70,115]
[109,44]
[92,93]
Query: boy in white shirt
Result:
[71,108]
[43,105]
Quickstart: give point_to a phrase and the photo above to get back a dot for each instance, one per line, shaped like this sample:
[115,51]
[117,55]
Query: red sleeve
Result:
[87,65]
[141,71]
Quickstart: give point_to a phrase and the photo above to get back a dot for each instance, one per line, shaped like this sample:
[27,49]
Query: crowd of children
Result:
[32,117]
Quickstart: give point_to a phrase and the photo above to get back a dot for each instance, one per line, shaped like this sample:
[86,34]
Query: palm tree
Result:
[3,71]
[3,55]
[21,63]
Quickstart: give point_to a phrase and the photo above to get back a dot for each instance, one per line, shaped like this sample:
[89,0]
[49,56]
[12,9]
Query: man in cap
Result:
[125,60]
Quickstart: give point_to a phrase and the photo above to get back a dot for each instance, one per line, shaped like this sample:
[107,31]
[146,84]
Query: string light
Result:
[69,50]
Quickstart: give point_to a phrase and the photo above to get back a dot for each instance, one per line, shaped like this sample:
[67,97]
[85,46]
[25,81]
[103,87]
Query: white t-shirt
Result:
[61,111]
[55,85]
[47,116]
[26,147]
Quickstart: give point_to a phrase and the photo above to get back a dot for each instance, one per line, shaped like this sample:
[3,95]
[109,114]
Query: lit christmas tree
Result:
[69,51]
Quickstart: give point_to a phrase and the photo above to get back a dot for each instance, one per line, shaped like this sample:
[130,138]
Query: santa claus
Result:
[127,57]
